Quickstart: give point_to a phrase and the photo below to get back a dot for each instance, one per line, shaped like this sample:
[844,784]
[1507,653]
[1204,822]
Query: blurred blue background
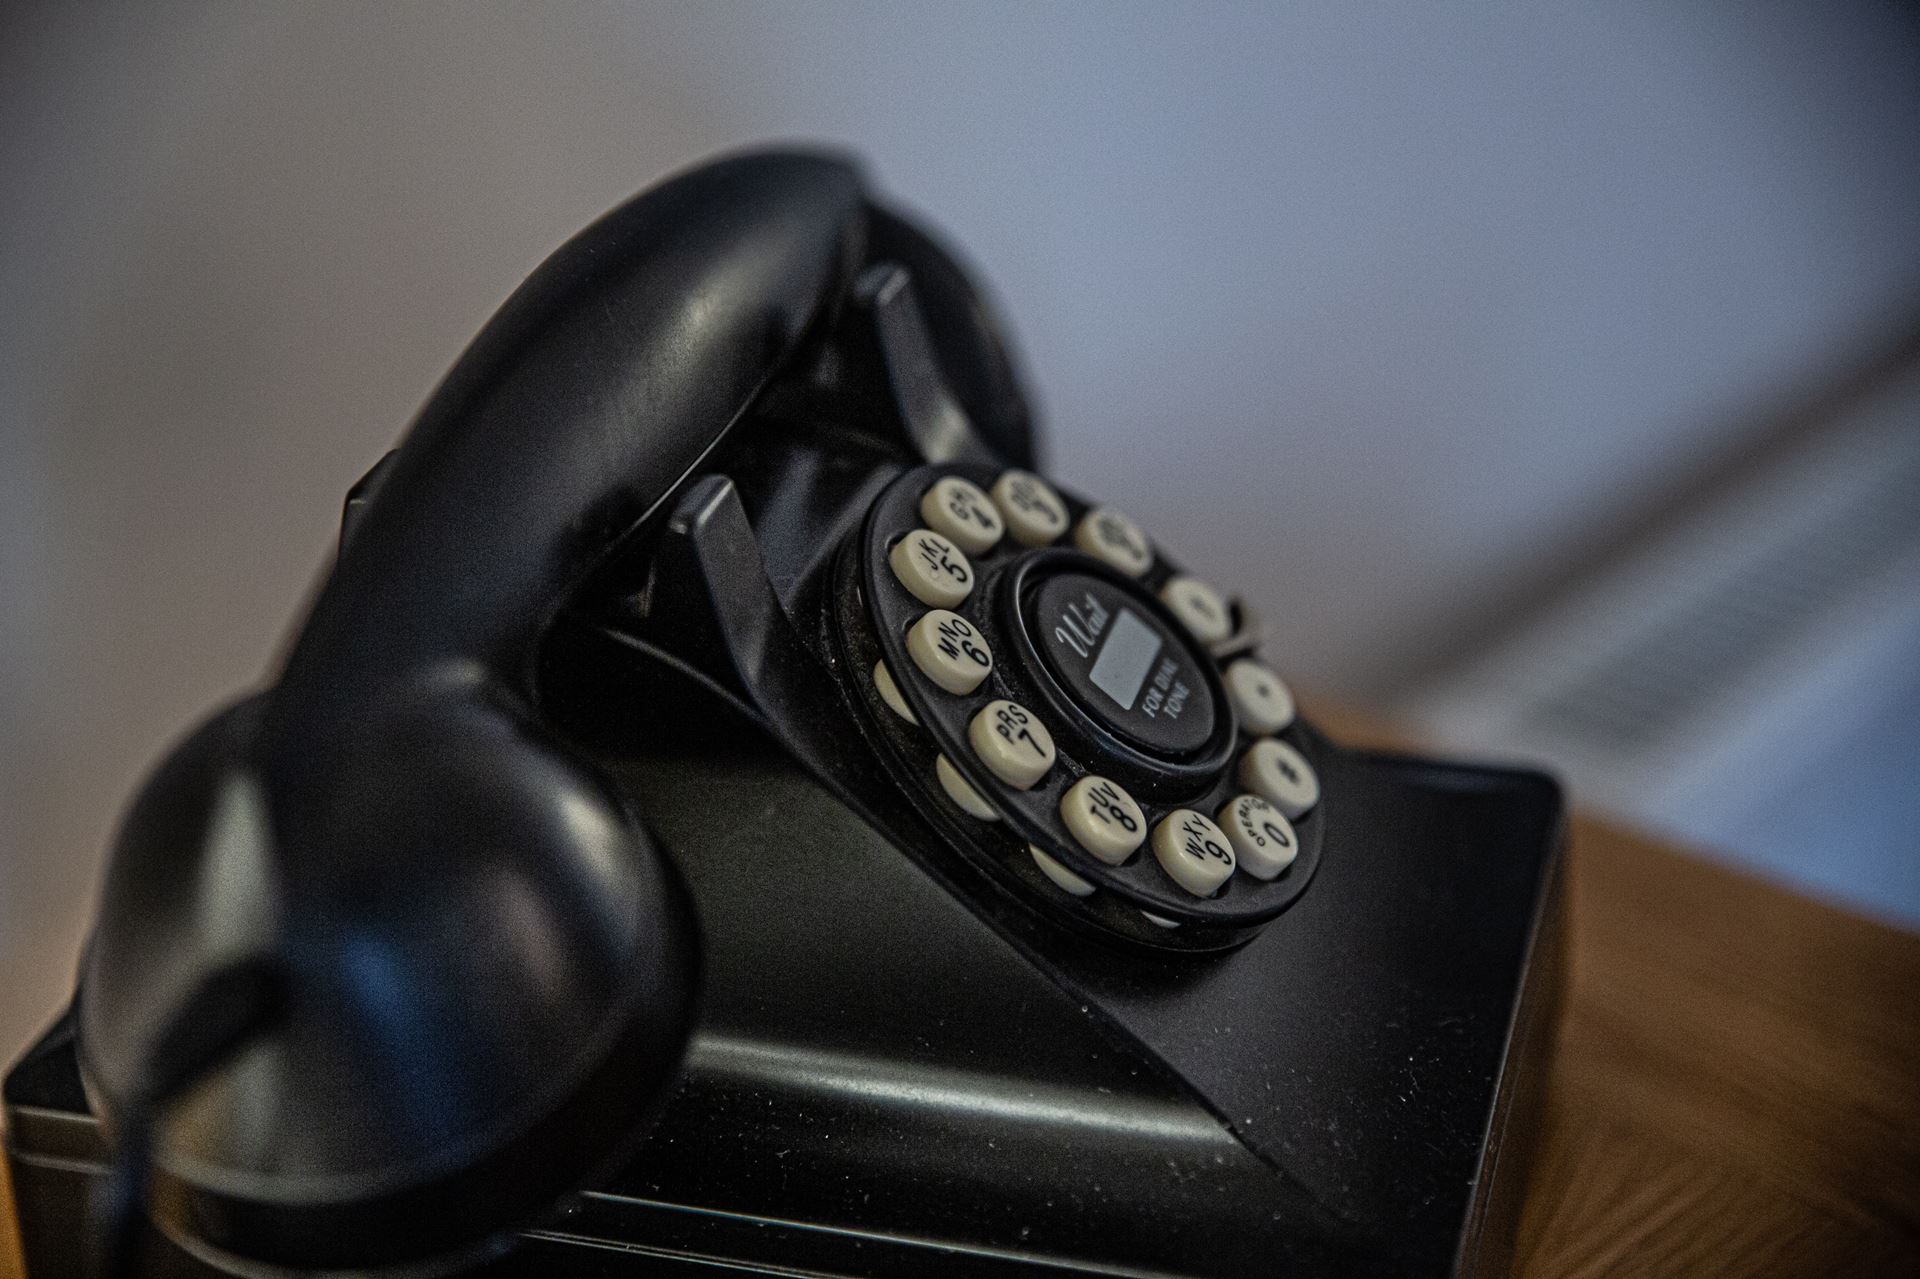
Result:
[1410,325]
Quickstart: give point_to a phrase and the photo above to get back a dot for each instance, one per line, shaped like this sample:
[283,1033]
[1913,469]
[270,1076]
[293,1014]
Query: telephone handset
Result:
[709,688]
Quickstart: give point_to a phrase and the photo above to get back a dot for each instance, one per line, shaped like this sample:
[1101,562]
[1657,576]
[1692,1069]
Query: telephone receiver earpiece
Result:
[489,971]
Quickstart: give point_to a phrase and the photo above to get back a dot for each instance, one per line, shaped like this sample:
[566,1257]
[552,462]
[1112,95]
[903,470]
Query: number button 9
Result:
[1195,853]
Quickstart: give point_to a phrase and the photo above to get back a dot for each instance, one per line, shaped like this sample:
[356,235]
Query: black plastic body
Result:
[902,1060]
[904,1066]
[885,1082]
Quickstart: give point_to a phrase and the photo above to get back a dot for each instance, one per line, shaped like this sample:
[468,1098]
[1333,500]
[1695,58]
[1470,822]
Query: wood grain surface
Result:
[10,1266]
[1737,1085]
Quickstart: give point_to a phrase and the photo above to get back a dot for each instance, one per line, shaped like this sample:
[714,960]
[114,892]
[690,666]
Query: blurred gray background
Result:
[1410,325]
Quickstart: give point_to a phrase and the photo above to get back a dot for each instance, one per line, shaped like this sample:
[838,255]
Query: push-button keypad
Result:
[1092,708]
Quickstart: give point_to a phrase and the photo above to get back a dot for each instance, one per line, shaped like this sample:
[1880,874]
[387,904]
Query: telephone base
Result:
[886,1080]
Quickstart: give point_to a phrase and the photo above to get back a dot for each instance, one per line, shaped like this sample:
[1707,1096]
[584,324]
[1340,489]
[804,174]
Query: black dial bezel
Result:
[1142,771]
[876,613]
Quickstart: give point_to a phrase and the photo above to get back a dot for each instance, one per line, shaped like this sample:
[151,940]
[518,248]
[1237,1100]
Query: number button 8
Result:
[1103,819]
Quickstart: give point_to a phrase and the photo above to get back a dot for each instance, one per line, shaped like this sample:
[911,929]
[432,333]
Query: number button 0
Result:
[1194,852]
[949,650]
[1034,513]
[959,510]
[1281,775]
[1263,838]
[1012,742]
[1200,608]
[933,569]
[1103,819]
[1111,537]
[1260,698]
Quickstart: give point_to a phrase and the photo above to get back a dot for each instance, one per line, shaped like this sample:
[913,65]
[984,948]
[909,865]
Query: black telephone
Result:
[725,811]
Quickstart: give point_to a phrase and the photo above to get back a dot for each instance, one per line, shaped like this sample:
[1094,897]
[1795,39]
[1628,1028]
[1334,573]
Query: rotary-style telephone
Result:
[726,811]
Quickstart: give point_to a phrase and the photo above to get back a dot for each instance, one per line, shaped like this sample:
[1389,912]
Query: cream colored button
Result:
[1107,535]
[890,692]
[1060,874]
[1277,772]
[1200,608]
[962,512]
[1103,819]
[1194,852]
[1263,840]
[961,792]
[1012,742]
[950,651]
[1260,698]
[1159,921]
[1034,513]
[932,568]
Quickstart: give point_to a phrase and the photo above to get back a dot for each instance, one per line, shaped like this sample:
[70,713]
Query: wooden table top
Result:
[1737,1085]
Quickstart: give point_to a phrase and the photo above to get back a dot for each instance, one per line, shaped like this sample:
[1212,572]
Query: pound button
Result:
[1281,775]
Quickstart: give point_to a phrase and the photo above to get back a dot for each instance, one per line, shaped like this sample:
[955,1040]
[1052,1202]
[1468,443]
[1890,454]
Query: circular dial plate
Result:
[1121,664]
[1017,588]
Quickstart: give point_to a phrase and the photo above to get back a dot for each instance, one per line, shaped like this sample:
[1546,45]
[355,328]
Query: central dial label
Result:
[1119,662]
